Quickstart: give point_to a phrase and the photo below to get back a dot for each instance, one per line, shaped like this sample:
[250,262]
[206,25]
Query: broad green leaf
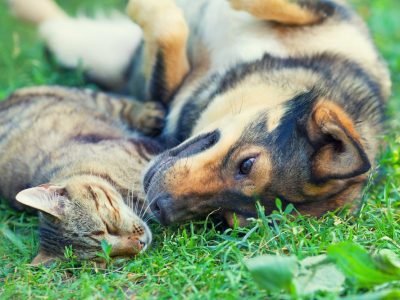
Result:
[313,261]
[381,295]
[358,265]
[318,274]
[274,273]
[388,262]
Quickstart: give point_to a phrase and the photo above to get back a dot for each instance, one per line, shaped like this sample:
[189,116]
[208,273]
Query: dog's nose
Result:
[155,209]
[161,210]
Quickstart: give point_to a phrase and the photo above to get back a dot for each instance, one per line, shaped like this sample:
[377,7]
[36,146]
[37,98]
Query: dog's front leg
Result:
[165,34]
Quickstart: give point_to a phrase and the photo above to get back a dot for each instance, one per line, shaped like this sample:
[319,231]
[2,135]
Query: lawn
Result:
[196,260]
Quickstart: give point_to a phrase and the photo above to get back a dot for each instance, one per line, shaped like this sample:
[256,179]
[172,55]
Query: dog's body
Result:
[269,98]
[222,40]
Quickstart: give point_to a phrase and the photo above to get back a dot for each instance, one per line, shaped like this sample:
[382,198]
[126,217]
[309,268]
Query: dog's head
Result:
[305,152]
[305,148]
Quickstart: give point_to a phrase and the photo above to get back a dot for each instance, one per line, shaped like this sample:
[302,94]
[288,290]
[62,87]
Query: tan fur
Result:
[204,171]
[240,101]
[327,111]
[341,200]
[282,11]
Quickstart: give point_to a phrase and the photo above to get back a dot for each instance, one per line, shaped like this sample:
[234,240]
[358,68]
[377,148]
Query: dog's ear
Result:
[339,153]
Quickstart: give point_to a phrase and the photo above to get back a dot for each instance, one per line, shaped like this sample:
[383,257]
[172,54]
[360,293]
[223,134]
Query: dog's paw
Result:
[241,4]
[144,11]
[150,119]
[159,19]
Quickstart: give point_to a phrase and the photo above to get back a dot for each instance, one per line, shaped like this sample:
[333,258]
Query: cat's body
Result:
[81,146]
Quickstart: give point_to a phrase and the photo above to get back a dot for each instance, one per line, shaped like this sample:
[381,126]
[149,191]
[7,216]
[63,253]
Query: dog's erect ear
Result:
[46,198]
[339,153]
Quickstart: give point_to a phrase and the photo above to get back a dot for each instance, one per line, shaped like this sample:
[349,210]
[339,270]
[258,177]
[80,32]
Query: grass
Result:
[196,260]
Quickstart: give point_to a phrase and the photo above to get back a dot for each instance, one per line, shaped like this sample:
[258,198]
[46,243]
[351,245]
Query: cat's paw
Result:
[151,118]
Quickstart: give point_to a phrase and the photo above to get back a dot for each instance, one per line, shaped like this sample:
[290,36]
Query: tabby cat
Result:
[77,156]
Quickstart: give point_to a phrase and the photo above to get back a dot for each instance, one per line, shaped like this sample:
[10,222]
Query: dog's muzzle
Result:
[162,204]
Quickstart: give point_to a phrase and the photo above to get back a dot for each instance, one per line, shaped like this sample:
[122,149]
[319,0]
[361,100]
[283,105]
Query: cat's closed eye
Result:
[97,232]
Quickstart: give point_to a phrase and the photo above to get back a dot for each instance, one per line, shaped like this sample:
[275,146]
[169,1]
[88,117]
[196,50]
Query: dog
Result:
[267,98]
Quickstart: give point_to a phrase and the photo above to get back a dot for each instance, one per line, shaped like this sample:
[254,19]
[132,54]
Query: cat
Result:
[77,156]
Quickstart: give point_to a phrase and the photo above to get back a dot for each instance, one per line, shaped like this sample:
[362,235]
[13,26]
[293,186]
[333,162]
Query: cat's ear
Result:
[42,258]
[47,198]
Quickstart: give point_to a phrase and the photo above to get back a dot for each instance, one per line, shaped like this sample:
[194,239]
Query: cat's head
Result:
[82,212]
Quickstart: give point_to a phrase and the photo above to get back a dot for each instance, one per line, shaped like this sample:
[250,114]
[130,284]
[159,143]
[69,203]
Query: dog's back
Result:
[233,36]
[222,37]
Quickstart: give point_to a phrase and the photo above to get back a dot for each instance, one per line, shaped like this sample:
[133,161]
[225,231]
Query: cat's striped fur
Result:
[78,151]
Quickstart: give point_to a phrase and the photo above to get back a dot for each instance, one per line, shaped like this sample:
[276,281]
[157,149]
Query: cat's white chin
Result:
[146,238]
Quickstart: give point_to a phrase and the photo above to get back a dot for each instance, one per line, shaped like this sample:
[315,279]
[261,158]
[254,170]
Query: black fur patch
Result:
[158,88]
[196,145]
[325,8]
[92,138]
[193,108]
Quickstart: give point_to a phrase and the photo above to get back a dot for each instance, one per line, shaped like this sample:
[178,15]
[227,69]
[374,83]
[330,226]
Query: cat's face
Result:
[82,213]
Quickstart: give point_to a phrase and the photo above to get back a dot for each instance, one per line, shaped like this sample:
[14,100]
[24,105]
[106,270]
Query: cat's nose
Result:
[146,238]
[125,246]
[142,244]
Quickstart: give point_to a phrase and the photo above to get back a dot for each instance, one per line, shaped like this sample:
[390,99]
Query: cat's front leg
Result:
[147,117]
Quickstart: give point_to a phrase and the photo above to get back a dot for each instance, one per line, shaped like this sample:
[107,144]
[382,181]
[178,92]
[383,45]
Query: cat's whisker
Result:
[141,210]
[149,217]
[152,217]
[136,204]
[148,205]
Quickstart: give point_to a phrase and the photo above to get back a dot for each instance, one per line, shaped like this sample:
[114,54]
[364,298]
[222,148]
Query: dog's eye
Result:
[246,166]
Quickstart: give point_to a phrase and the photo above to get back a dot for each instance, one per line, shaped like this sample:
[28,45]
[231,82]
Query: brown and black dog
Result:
[268,98]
